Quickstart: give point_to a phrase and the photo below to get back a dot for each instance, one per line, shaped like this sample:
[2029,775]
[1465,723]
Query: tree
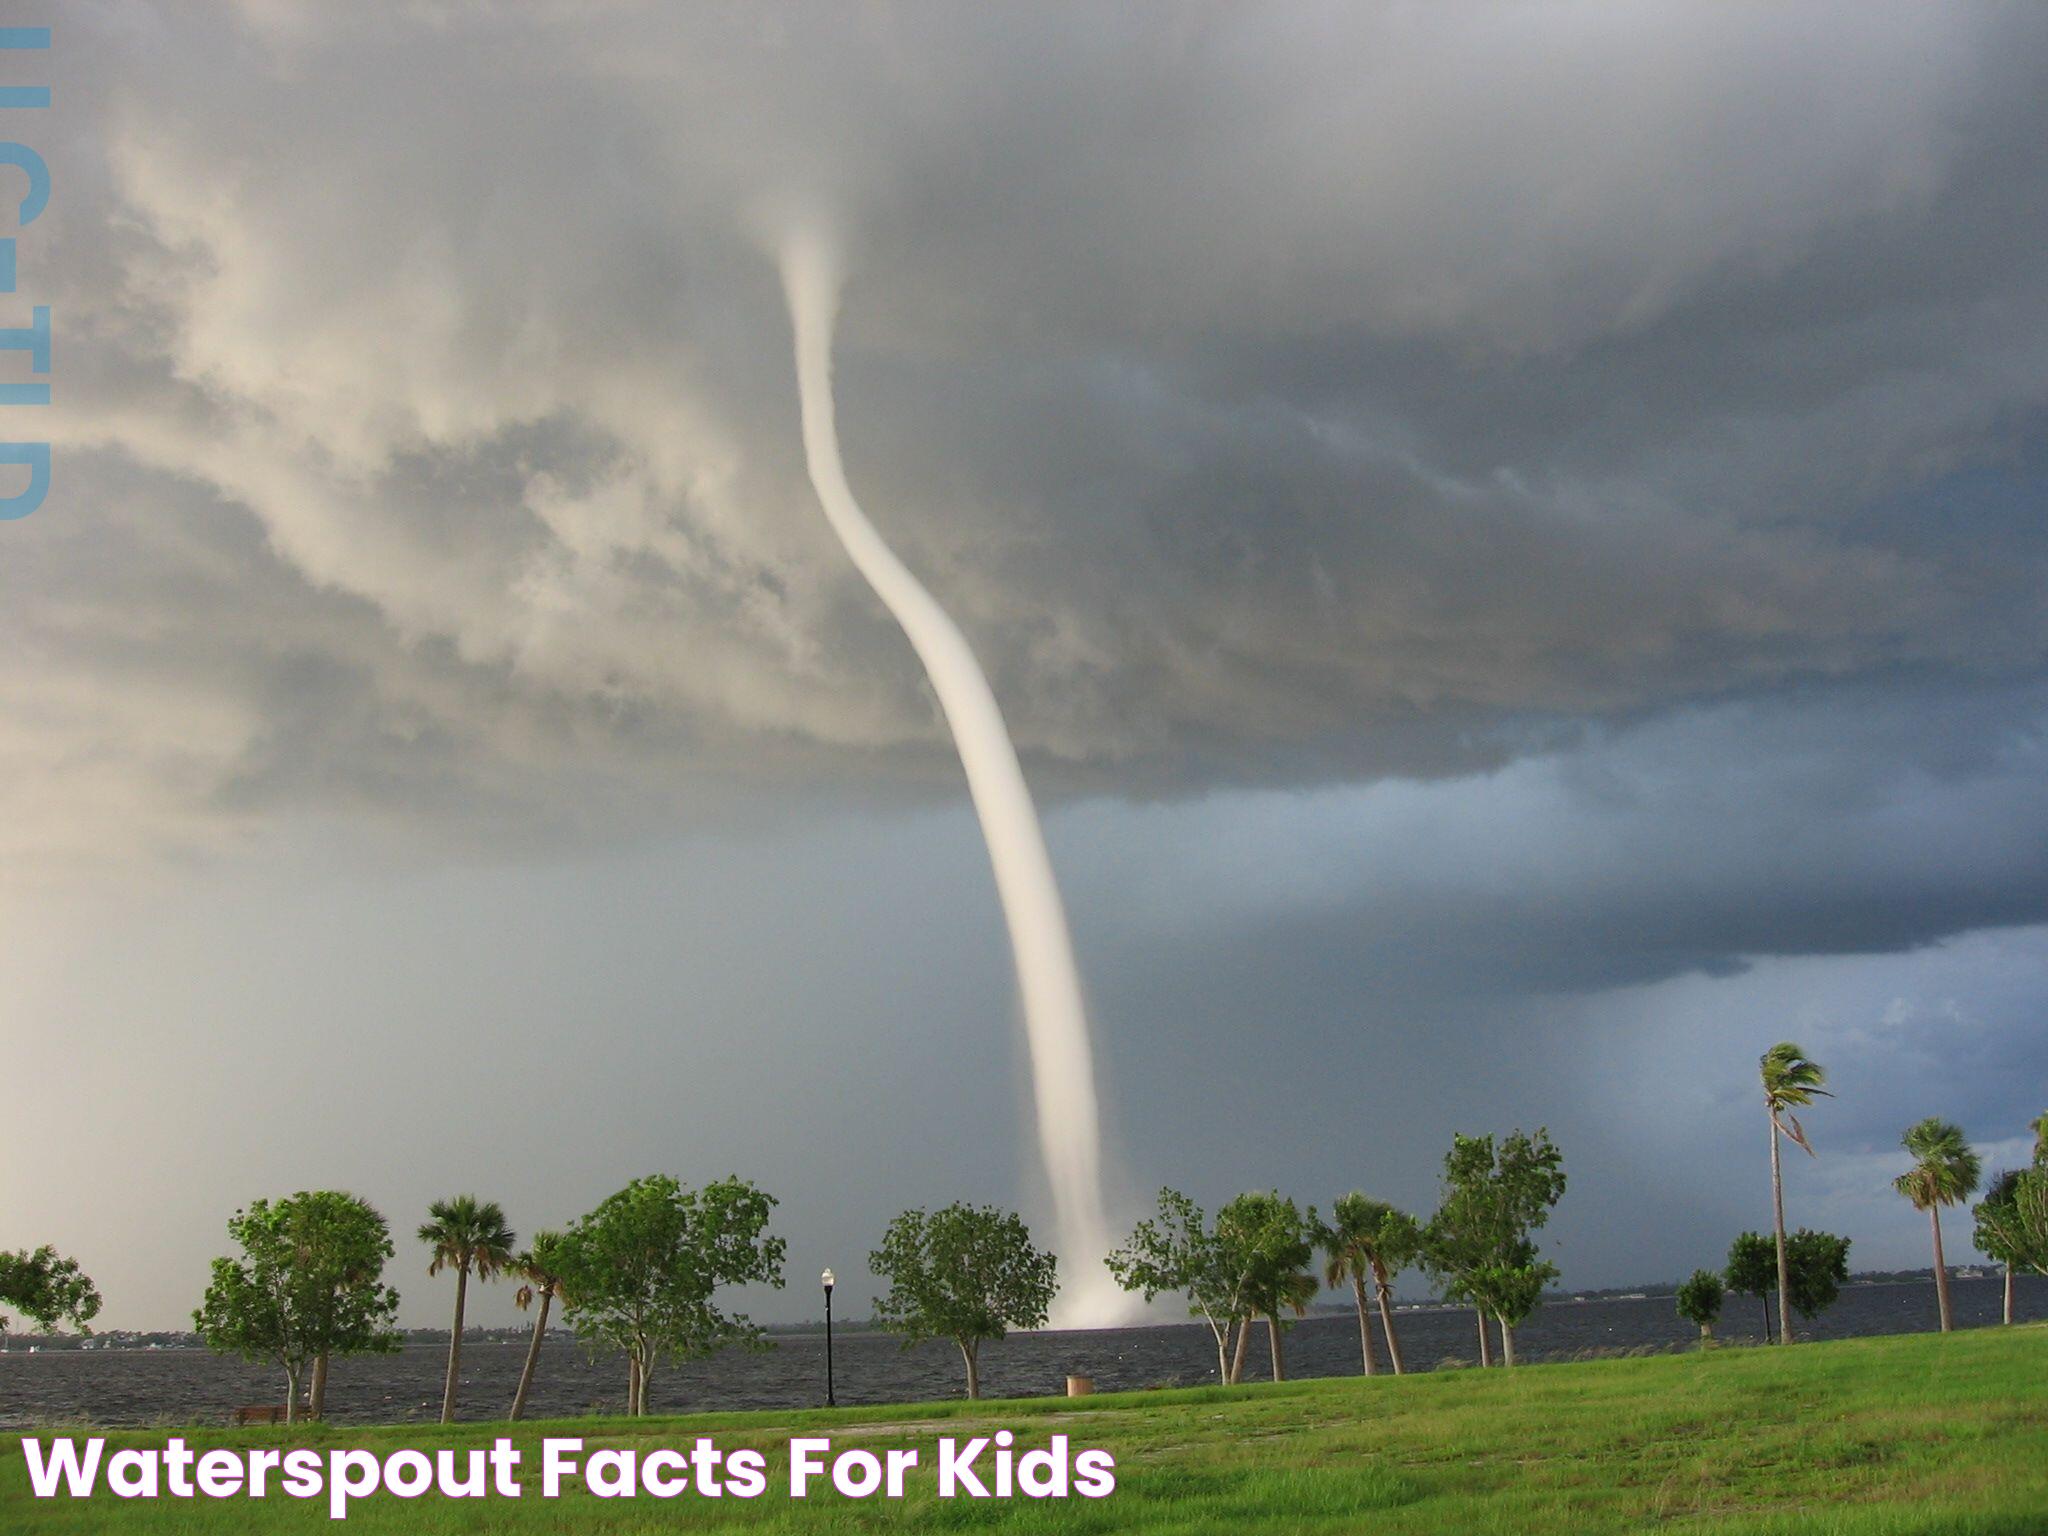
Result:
[1790,1082]
[1994,1218]
[343,1246]
[1753,1271]
[1699,1301]
[642,1272]
[1944,1172]
[469,1236]
[47,1288]
[1370,1239]
[1271,1243]
[1817,1264]
[1480,1242]
[967,1273]
[2012,1219]
[308,1283]
[1175,1251]
[2012,1224]
[540,1268]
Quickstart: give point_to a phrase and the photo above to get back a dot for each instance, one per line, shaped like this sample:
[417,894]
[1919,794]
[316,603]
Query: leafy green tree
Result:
[2012,1219]
[2012,1224]
[1175,1250]
[1817,1267]
[344,1243]
[1699,1302]
[469,1236]
[1480,1244]
[46,1289]
[539,1267]
[642,1272]
[1945,1172]
[1271,1241]
[1368,1239]
[1790,1082]
[1753,1271]
[308,1283]
[1513,1290]
[968,1273]
[1993,1225]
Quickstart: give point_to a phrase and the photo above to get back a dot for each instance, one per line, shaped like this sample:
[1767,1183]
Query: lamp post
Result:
[830,1400]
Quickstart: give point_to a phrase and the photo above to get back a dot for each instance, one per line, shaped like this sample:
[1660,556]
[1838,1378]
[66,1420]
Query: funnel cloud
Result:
[1055,1020]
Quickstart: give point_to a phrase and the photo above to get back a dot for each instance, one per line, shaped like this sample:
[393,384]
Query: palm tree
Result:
[1944,1172]
[469,1236]
[1791,1082]
[540,1266]
[1367,1239]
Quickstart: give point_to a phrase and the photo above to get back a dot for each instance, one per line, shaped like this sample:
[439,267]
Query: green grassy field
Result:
[1872,1437]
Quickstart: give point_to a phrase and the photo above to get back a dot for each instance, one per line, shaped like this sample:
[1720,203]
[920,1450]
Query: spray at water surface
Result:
[1055,1021]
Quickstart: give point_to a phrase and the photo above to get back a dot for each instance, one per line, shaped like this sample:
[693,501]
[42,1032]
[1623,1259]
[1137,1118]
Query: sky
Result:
[1511,539]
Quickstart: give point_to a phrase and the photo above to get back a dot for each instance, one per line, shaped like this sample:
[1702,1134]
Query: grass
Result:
[1909,1436]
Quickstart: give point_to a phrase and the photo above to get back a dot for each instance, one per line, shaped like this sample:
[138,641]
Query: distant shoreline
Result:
[157,1341]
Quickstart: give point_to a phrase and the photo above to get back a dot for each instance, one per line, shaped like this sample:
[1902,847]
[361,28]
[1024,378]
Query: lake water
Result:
[137,1387]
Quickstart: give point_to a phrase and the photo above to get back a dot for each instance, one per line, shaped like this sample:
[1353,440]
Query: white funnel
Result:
[1056,1024]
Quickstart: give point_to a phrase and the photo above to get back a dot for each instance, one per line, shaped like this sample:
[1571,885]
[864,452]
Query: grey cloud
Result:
[1250,386]
[1511,540]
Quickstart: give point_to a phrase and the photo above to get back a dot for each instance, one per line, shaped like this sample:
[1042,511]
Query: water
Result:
[183,1386]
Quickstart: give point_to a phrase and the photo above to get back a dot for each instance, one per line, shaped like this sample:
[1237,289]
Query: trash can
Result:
[1080,1386]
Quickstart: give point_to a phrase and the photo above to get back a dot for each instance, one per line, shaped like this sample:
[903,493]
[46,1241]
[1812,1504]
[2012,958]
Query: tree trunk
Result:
[1222,1354]
[1765,1303]
[455,1345]
[646,1383]
[291,1395]
[1485,1344]
[970,1352]
[1380,1289]
[1507,1343]
[1778,1225]
[540,1328]
[1244,1337]
[1940,1269]
[1364,1323]
[633,1382]
[1273,1345]
[1706,1334]
[2008,1295]
[316,1406]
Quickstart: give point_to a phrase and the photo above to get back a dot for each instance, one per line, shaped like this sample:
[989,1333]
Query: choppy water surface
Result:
[131,1387]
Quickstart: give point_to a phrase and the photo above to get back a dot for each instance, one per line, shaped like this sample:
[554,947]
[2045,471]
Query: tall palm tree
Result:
[540,1267]
[469,1236]
[1944,1172]
[1791,1082]
[1366,1239]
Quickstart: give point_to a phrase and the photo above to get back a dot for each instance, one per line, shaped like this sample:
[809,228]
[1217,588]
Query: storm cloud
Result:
[1511,537]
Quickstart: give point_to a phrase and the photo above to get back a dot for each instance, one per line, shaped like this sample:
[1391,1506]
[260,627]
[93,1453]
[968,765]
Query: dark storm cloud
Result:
[1511,538]
[1812,822]
[1331,391]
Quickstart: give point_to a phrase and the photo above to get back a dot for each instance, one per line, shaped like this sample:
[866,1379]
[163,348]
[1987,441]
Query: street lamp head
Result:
[828,1279]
